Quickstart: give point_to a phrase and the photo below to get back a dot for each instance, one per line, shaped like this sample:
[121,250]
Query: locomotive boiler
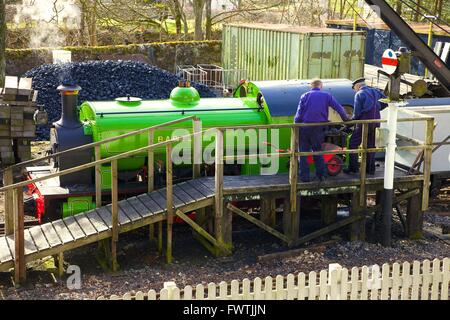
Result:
[253,103]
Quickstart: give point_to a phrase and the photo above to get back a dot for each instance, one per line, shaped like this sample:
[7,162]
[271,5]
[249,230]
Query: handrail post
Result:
[19,250]
[363,166]
[115,213]
[218,184]
[98,178]
[150,164]
[197,147]
[9,209]
[169,201]
[293,179]
[427,163]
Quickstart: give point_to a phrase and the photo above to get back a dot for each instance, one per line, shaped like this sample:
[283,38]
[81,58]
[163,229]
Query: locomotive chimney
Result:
[69,103]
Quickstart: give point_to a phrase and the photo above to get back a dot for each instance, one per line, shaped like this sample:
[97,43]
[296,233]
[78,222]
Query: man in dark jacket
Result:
[313,107]
[366,106]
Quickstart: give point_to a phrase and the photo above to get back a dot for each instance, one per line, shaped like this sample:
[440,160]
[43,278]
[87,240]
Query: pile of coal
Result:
[102,81]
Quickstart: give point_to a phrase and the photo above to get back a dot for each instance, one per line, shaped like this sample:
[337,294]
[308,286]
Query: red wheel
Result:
[334,166]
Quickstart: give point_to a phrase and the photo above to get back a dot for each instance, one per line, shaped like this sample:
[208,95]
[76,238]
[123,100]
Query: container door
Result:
[352,55]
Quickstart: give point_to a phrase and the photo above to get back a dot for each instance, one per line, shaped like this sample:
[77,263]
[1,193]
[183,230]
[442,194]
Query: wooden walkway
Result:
[88,227]
[149,208]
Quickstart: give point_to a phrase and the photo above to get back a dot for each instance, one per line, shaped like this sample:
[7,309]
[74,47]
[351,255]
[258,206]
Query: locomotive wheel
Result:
[334,166]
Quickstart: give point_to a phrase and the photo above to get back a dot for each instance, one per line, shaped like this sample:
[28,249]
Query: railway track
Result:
[27,224]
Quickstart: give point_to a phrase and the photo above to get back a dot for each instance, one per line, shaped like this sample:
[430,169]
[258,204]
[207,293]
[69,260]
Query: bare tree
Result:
[2,41]
[175,9]
[208,19]
[198,6]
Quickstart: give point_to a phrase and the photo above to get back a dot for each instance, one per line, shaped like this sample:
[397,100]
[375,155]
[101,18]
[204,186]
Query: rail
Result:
[14,203]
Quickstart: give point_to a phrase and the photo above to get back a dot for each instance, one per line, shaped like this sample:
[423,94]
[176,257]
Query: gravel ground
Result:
[142,269]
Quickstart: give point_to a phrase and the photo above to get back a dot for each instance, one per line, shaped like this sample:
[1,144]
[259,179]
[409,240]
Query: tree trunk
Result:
[82,40]
[2,42]
[439,8]
[208,20]
[417,14]
[398,7]
[176,11]
[92,22]
[198,18]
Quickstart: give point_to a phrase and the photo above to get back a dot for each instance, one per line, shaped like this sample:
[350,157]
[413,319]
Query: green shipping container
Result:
[282,52]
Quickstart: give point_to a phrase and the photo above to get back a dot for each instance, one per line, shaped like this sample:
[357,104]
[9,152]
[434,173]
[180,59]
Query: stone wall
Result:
[165,55]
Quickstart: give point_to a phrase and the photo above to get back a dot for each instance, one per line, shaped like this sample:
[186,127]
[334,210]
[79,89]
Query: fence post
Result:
[334,281]
[427,163]
[150,164]
[114,213]
[218,183]
[150,177]
[19,250]
[98,178]
[293,178]
[363,166]
[9,194]
[169,199]
[197,148]
[170,286]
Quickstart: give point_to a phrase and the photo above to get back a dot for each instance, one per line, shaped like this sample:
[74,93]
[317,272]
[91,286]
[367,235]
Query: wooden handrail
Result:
[321,124]
[98,162]
[177,139]
[99,143]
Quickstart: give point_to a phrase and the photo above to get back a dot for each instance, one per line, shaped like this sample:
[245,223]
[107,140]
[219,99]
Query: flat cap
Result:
[359,80]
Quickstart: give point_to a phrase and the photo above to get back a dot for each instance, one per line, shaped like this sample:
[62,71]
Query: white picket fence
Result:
[417,281]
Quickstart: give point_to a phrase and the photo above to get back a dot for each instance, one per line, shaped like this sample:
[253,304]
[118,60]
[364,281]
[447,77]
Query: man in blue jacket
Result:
[366,106]
[313,107]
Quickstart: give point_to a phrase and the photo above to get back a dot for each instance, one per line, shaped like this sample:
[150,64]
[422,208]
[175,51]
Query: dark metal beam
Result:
[437,67]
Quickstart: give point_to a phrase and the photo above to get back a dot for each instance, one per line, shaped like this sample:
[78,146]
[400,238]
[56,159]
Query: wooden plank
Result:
[39,238]
[62,231]
[170,202]
[158,199]
[98,178]
[177,202]
[197,147]
[11,83]
[219,223]
[327,229]
[139,207]
[293,179]
[114,215]
[190,190]
[11,244]
[122,218]
[150,163]
[24,87]
[5,253]
[197,228]
[149,203]
[50,234]
[74,228]
[427,163]
[257,222]
[19,250]
[183,196]
[363,166]
[30,247]
[105,215]
[85,224]
[126,207]
[96,221]
[200,187]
